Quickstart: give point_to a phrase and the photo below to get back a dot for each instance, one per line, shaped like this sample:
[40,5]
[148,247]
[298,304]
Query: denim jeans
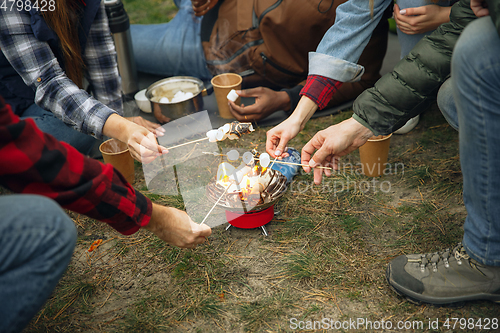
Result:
[475,84]
[338,52]
[172,48]
[37,240]
[446,103]
[407,42]
[47,122]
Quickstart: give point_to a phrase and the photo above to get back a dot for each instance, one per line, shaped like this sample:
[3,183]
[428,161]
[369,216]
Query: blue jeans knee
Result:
[38,240]
[446,104]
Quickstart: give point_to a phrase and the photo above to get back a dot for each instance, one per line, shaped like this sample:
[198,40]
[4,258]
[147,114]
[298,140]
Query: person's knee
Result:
[38,240]
[446,103]
[63,225]
[479,37]
[443,95]
[55,221]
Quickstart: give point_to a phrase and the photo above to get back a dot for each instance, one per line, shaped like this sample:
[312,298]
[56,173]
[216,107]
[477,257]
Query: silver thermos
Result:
[119,25]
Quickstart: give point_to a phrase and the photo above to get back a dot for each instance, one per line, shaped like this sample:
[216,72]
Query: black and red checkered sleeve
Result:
[34,162]
[320,89]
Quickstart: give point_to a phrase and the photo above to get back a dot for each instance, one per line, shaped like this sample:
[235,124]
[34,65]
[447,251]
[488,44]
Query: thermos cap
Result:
[117,16]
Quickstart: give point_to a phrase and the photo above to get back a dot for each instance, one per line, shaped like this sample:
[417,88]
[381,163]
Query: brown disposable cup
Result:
[373,155]
[223,83]
[116,153]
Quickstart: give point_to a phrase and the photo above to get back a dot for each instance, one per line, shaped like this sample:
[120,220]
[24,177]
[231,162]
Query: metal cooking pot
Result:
[165,112]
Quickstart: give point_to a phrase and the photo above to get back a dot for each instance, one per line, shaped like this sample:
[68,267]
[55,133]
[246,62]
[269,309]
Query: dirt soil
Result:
[324,258]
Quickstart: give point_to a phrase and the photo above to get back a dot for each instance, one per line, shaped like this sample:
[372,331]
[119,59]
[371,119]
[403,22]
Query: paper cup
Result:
[116,153]
[373,155]
[223,84]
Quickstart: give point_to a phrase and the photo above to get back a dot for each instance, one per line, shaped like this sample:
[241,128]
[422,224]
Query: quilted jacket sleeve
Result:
[415,80]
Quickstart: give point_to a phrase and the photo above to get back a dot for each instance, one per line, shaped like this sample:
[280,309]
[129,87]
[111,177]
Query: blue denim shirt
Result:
[338,52]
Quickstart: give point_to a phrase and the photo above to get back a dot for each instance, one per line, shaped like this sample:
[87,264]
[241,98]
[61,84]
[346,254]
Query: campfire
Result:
[250,187]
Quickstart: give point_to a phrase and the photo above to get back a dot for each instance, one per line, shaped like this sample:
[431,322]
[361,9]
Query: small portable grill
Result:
[242,215]
[250,220]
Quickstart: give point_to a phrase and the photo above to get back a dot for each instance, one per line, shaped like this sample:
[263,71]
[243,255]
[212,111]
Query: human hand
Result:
[161,117]
[332,143]
[278,137]
[201,7]
[141,141]
[176,228]
[267,101]
[140,137]
[479,7]
[152,127]
[418,20]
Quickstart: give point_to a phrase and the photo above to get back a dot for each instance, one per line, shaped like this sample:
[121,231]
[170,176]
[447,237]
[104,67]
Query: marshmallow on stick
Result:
[232,131]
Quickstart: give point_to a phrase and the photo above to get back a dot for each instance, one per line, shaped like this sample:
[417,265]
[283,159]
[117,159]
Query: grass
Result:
[318,267]
[325,255]
[150,11]
[258,314]
[73,295]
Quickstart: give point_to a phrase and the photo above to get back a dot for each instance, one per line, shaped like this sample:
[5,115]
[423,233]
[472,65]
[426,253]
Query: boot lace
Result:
[433,259]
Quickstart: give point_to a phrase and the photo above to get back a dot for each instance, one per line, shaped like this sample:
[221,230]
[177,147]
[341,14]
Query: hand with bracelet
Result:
[201,7]
[267,101]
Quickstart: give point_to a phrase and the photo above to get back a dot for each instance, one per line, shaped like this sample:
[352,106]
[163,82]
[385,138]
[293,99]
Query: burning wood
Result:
[250,185]
[255,195]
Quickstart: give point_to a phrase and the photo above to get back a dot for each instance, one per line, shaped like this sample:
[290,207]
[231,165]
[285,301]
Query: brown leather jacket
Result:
[268,41]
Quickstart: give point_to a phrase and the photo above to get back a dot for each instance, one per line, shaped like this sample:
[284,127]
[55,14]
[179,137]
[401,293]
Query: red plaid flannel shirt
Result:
[34,162]
[320,89]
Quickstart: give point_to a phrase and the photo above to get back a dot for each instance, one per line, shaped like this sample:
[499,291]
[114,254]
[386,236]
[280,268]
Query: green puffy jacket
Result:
[413,85]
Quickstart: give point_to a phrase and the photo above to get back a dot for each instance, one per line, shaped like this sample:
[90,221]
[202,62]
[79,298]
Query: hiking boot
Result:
[443,278]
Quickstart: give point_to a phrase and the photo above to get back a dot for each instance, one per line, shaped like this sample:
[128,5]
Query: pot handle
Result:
[208,89]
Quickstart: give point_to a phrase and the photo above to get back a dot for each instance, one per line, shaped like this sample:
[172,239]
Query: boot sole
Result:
[419,299]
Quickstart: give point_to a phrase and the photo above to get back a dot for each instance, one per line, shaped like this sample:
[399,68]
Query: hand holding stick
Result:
[304,165]
[278,161]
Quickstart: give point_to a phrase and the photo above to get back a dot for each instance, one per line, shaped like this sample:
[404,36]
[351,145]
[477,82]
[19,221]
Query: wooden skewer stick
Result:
[272,163]
[278,161]
[187,143]
[304,165]
[215,204]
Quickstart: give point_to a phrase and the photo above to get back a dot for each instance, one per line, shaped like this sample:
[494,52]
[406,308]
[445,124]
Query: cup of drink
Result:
[223,84]
[373,155]
[117,154]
